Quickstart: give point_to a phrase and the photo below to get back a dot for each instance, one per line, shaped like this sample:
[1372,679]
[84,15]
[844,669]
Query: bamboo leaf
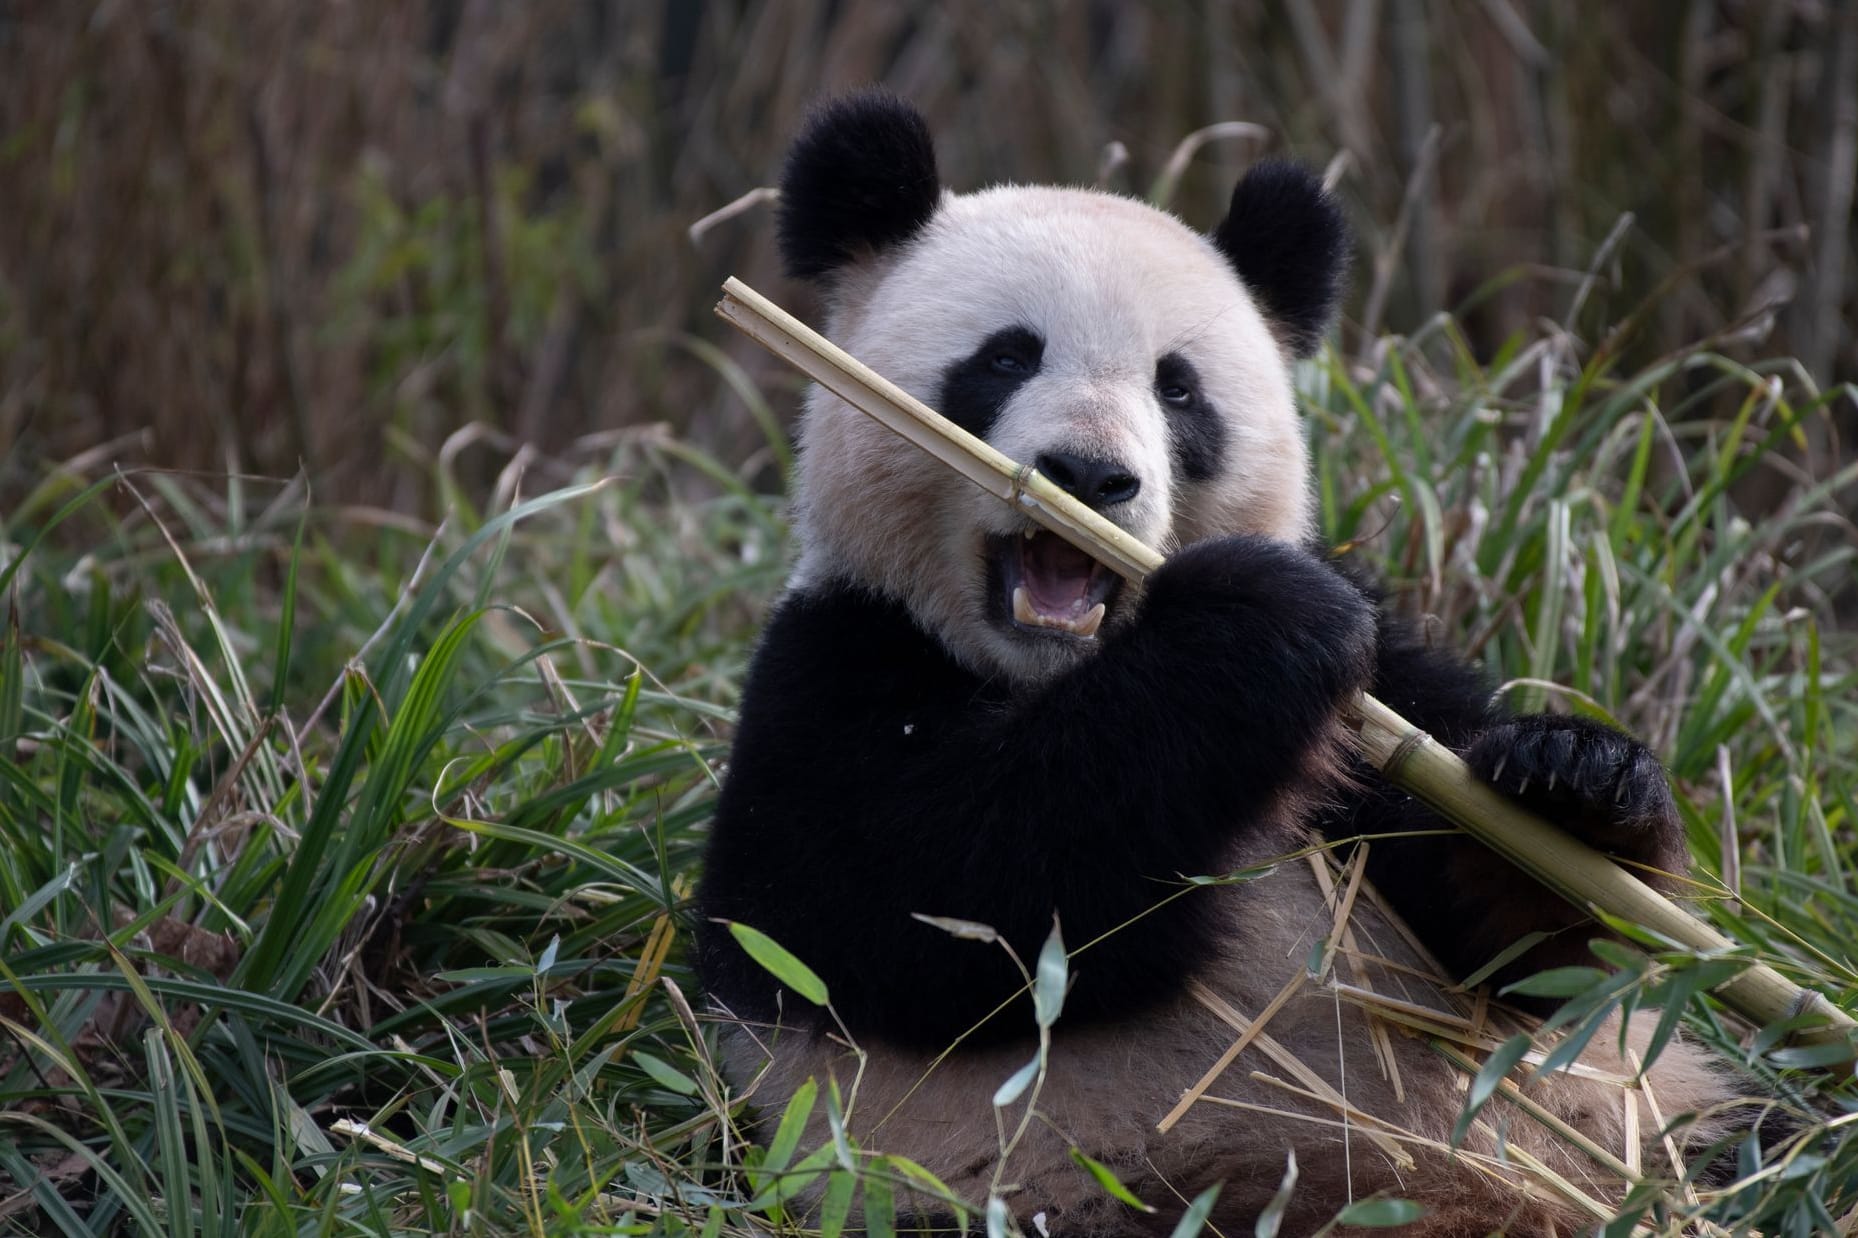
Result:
[967,930]
[777,962]
[1380,1213]
[835,1123]
[665,1074]
[835,1206]
[1194,1219]
[1018,1082]
[922,1180]
[792,1126]
[1108,1180]
[1558,982]
[880,1204]
[1048,979]
[999,1220]
[1495,1069]
[1575,1042]
[1271,1218]
[1509,954]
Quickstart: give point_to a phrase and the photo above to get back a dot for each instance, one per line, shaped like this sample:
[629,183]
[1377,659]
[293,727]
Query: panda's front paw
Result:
[1604,787]
[1268,603]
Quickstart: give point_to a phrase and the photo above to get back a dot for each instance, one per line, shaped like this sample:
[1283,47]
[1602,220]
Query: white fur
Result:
[1111,285]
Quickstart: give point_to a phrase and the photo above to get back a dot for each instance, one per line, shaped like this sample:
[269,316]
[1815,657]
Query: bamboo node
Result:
[1402,750]
[1020,498]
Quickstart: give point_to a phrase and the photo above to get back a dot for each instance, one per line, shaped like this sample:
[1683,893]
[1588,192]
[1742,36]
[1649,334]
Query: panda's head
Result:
[1143,366]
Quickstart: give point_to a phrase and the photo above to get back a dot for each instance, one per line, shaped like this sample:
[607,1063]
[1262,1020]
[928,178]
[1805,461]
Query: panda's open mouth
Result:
[1045,585]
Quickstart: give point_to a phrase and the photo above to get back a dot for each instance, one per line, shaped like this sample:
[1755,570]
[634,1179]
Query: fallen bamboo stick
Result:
[1407,756]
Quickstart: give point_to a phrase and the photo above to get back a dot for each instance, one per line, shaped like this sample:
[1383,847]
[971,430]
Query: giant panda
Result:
[953,714]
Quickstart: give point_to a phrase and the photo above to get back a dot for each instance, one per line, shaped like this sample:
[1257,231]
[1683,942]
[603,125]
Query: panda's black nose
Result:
[1099,483]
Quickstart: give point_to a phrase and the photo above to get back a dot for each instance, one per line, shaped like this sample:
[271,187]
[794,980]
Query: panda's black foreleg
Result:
[1466,902]
[1600,785]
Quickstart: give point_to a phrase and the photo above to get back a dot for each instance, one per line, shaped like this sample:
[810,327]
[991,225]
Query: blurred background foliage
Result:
[257,235]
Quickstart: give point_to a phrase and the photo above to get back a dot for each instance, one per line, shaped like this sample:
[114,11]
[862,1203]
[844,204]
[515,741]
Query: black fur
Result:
[1195,427]
[1467,903]
[1286,237]
[861,176]
[977,387]
[874,777]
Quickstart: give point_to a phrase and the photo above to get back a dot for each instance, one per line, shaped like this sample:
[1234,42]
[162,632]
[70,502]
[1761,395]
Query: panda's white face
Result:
[1093,336]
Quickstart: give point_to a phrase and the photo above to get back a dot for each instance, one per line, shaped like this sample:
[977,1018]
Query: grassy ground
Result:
[344,855]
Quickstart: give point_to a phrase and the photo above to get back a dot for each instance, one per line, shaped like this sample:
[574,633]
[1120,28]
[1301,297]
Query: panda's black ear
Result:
[860,177]
[1286,237]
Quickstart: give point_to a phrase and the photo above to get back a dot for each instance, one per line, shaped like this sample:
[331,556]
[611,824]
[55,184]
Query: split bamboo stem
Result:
[1404,754]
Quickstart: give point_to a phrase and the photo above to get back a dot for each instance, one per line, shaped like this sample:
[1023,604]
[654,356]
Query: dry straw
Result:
[1406,755]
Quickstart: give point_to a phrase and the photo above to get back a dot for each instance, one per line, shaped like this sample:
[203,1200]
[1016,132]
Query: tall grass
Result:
[318,839]
[343,857]
[1582,529]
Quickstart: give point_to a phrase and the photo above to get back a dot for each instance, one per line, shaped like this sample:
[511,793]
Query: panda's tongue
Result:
[1056,577]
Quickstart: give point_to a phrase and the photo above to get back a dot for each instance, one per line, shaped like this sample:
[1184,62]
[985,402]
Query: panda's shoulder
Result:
[1422,678]
[832,639]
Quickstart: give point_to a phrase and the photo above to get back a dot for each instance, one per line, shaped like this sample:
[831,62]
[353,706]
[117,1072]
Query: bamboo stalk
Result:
[1407,756]
[1415,761]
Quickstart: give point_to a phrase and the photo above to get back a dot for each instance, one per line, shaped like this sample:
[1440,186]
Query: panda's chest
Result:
[924,723]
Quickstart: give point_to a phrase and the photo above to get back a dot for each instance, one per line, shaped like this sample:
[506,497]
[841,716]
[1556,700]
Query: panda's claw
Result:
[1602,786]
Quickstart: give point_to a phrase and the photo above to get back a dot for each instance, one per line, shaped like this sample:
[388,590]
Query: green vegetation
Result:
[345,849]
[307,819]
[343,857]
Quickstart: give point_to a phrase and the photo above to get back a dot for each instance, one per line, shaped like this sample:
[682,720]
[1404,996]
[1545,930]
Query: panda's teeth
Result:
[1085,625]
[1022,606]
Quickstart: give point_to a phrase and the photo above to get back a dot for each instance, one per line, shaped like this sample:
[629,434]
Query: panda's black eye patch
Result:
[1176,382]
[1199,438]
[1016,350]
[977,387]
